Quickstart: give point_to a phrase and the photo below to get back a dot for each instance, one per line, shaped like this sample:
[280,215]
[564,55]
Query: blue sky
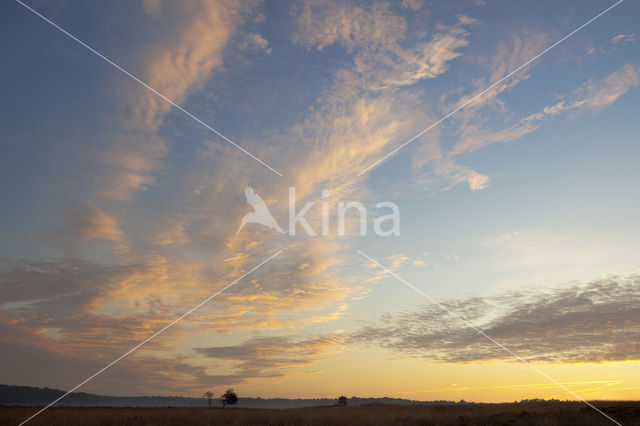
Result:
[120,211]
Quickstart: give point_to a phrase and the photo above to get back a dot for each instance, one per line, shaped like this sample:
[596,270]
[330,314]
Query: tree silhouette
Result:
[229,398]
[343,400]
[209,396]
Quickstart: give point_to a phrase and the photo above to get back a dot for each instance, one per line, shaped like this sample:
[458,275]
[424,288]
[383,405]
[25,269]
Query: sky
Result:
[123,187]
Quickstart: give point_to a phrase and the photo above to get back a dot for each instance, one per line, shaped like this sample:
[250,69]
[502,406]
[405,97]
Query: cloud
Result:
[342,138]
[181,240]
[432,163]
[273,356]
[371,104]
[98,311]
[126,149]
[323,23]
[591,322]
[598,94]
[624,38]
[54,334]
[593,95]
[411,4]
[175,53]
[195,50]
[93,309]
[324,150]
[427,60]
[30,357]
[509,55]
[175,66]
[397,260]
[153,8]
[92,223]
[60,312]
[476,137]
[174,234]
[29,282]
[257,42]
[446,173]
[374,34]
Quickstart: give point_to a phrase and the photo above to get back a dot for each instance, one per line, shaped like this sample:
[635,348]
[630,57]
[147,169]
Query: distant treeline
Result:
[28,395]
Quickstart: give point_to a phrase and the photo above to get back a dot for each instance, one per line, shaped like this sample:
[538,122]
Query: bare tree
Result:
[209,396]
[229,398]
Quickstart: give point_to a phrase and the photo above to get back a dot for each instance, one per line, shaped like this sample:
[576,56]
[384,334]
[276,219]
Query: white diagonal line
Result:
[100,55]
[468,324]
[488,88]
[154,335]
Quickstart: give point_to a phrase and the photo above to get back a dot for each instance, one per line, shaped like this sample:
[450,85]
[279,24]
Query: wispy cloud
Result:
[273,356]
[598,94]
[625,38]
[374,35]
[593,95]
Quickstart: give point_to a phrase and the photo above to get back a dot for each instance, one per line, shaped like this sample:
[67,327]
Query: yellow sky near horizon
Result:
[376,373]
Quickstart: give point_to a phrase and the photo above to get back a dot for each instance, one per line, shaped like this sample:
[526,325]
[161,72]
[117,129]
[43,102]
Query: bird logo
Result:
[260,213]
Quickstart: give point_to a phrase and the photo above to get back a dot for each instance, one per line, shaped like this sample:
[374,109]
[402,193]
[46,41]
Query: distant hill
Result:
[28,395]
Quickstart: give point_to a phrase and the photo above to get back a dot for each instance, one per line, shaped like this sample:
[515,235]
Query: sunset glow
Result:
[158,157]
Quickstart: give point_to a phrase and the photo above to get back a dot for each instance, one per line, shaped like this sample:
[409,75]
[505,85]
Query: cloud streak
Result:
[273,356]
[591,322]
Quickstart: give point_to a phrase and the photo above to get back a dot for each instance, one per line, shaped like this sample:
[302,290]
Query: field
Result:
[556,413]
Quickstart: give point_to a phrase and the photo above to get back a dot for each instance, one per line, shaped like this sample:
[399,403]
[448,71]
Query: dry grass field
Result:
[560,413]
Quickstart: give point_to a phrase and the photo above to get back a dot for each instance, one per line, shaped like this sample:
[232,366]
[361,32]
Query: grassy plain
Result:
[534,413]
